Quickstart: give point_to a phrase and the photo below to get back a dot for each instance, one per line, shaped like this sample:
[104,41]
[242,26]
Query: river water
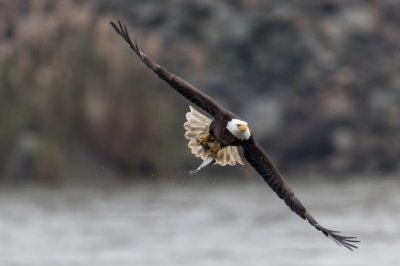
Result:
[198,224]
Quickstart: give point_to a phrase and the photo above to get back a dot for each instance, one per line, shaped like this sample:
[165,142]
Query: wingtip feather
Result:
[345,241]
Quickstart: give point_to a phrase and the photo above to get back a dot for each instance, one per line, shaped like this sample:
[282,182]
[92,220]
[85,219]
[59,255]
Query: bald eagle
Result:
[216,139]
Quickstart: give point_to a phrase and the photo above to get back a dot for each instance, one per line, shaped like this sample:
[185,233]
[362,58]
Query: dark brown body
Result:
[219,131]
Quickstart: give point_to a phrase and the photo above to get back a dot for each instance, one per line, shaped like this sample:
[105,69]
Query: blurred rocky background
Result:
[318,81]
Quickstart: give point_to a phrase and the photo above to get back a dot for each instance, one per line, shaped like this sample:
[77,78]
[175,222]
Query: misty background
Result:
[93,157]
[317,81]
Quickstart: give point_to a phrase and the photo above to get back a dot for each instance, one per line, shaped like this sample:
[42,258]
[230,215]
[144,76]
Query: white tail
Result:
[197,127]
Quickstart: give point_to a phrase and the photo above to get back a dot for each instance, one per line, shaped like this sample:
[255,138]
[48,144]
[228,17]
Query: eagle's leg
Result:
[215,149]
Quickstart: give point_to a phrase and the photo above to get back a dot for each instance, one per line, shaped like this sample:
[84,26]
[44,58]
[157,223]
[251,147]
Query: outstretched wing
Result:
[183,87]
[255,155]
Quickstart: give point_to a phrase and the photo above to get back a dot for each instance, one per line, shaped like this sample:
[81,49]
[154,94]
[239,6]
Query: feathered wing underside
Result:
[187,90]
[264,166]
[197,127]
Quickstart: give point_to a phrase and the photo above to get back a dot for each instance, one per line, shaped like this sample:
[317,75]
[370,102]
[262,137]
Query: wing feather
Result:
[187,90]
[255,155]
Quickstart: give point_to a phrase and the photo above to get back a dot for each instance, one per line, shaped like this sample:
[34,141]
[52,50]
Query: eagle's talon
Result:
[215,149]
[203,141]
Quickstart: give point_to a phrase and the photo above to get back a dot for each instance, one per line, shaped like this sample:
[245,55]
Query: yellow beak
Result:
[243,127]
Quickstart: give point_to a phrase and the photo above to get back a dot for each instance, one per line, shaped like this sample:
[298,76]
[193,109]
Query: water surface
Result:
[197,224]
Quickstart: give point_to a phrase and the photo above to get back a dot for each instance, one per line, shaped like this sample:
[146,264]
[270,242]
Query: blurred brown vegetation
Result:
[317,80]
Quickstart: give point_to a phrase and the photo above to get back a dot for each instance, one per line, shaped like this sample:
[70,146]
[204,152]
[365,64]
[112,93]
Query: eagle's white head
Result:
[239,129]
